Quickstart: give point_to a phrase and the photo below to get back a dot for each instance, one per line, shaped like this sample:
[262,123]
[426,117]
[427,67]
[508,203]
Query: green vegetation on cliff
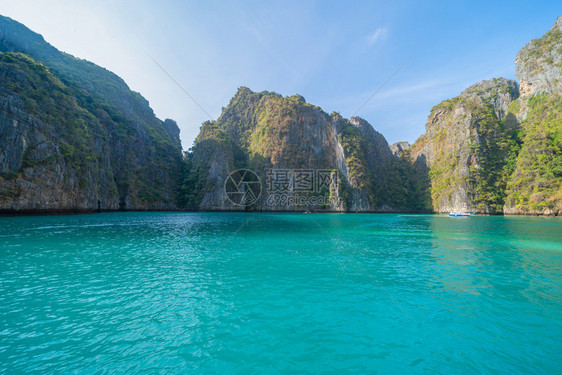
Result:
[536,182]
[470,147]
[537,49]
[391,181]
[490,153]
[265,130]
[104,133]
[75,129]
[356,148]
[49,100]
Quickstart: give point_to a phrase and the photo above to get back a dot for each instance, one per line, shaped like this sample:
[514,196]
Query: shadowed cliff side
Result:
[75,137]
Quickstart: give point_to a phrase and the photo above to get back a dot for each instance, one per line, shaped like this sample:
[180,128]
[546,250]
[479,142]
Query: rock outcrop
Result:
[539,63]
[399,148]
[535,184]
[265,132]
[491,150]
[465,147]
[38,172]
[74,137]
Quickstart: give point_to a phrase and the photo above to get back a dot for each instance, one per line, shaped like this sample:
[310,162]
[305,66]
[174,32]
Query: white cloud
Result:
[378,35]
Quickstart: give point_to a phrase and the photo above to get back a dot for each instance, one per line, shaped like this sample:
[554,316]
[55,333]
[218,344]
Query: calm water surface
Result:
[280,293]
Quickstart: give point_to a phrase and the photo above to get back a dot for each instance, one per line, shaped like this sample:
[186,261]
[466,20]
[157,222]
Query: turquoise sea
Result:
[236,293]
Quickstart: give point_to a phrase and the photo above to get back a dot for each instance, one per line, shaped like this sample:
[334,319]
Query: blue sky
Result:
[335,54]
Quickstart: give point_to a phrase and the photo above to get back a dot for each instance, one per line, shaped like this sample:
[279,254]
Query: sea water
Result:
[244,293]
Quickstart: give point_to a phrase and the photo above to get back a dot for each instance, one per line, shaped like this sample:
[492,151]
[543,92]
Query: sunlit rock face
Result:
[539,63]
[265,131]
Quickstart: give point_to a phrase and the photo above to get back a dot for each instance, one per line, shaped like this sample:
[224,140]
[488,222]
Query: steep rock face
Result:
[43,166]
[265,131]
[74,137]
[45,180]
[539,63]
[399,147]
[490,150]
[465,147]
[377,160]
[535,184]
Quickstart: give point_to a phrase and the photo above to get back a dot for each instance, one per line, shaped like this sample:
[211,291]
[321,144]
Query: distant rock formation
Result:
[496,150]
[265,131]
[488,150]
[399,147]
[465,148]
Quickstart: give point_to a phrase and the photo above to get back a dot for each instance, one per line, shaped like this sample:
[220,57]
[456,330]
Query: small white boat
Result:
[461,213]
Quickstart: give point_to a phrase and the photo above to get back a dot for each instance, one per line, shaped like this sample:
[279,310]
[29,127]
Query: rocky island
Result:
[74,137]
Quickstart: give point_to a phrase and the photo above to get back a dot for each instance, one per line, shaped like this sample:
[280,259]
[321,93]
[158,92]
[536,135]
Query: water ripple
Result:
[160,292]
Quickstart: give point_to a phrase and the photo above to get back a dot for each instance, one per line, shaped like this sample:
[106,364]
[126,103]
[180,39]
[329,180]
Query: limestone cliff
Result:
[491,150]
[467,141]
[487,150]
[74,137]
[399,147]
[535,186]
[265,131]
[539,63]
